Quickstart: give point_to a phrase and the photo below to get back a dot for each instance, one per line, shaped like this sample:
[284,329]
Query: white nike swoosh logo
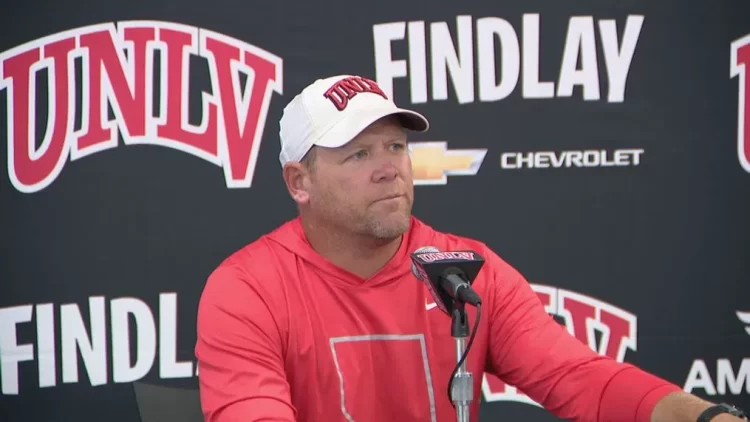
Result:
[429,306]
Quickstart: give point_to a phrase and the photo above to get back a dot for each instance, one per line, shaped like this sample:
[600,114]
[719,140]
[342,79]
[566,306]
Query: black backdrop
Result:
[633,215]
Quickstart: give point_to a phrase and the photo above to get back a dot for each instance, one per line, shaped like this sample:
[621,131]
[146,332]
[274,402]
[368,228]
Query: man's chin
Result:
[392,228]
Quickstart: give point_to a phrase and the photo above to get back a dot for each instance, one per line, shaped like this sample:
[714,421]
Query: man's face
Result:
[366,186]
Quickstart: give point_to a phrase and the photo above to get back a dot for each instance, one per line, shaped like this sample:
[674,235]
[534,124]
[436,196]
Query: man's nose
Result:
[385,171]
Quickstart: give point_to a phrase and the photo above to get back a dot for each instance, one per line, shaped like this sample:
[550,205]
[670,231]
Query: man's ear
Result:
[297,180]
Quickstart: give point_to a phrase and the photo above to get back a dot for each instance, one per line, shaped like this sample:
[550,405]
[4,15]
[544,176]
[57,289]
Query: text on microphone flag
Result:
[441,256]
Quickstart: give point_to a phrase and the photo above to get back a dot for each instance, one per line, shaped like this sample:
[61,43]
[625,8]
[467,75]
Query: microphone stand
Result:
[462,390]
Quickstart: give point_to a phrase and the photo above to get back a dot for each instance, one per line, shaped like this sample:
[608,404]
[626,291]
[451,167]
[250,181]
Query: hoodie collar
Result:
[292,237]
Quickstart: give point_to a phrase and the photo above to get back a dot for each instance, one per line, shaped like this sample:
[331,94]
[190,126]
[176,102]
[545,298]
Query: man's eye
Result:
[398,147]
[360,154]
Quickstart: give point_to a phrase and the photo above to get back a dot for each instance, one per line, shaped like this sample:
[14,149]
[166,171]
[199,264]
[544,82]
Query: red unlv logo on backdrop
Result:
[117,66]
[608,330]
[739,65]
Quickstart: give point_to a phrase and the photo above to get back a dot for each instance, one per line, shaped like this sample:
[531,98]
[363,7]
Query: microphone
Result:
[458,288]
[448,275]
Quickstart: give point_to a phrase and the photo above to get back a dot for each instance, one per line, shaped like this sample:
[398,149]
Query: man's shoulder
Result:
[449,241]
[246,282]
[445,240]
[261,257]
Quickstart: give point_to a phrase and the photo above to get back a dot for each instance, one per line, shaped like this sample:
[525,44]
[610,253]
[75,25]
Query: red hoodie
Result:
[285,335]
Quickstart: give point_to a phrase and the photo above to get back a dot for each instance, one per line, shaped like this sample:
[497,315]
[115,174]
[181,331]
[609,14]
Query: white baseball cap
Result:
[330,112]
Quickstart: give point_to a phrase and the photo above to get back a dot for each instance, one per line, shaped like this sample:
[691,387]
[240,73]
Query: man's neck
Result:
[360,255]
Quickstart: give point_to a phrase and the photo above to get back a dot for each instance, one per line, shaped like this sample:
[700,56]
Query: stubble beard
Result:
[386,227]
[371,225]
[386,230]
[368,223]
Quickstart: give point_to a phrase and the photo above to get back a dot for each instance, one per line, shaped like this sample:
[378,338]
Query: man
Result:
[321,320]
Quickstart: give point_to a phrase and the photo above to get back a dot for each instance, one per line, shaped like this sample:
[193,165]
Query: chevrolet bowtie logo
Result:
[433,162]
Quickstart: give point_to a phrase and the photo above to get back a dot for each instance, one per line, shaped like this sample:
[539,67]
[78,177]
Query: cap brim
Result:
[344,131]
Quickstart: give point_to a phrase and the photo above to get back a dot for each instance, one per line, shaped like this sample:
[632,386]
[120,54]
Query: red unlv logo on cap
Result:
[346,89]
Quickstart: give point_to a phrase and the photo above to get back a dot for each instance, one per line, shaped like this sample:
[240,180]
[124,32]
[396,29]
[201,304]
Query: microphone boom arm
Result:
[461,386]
